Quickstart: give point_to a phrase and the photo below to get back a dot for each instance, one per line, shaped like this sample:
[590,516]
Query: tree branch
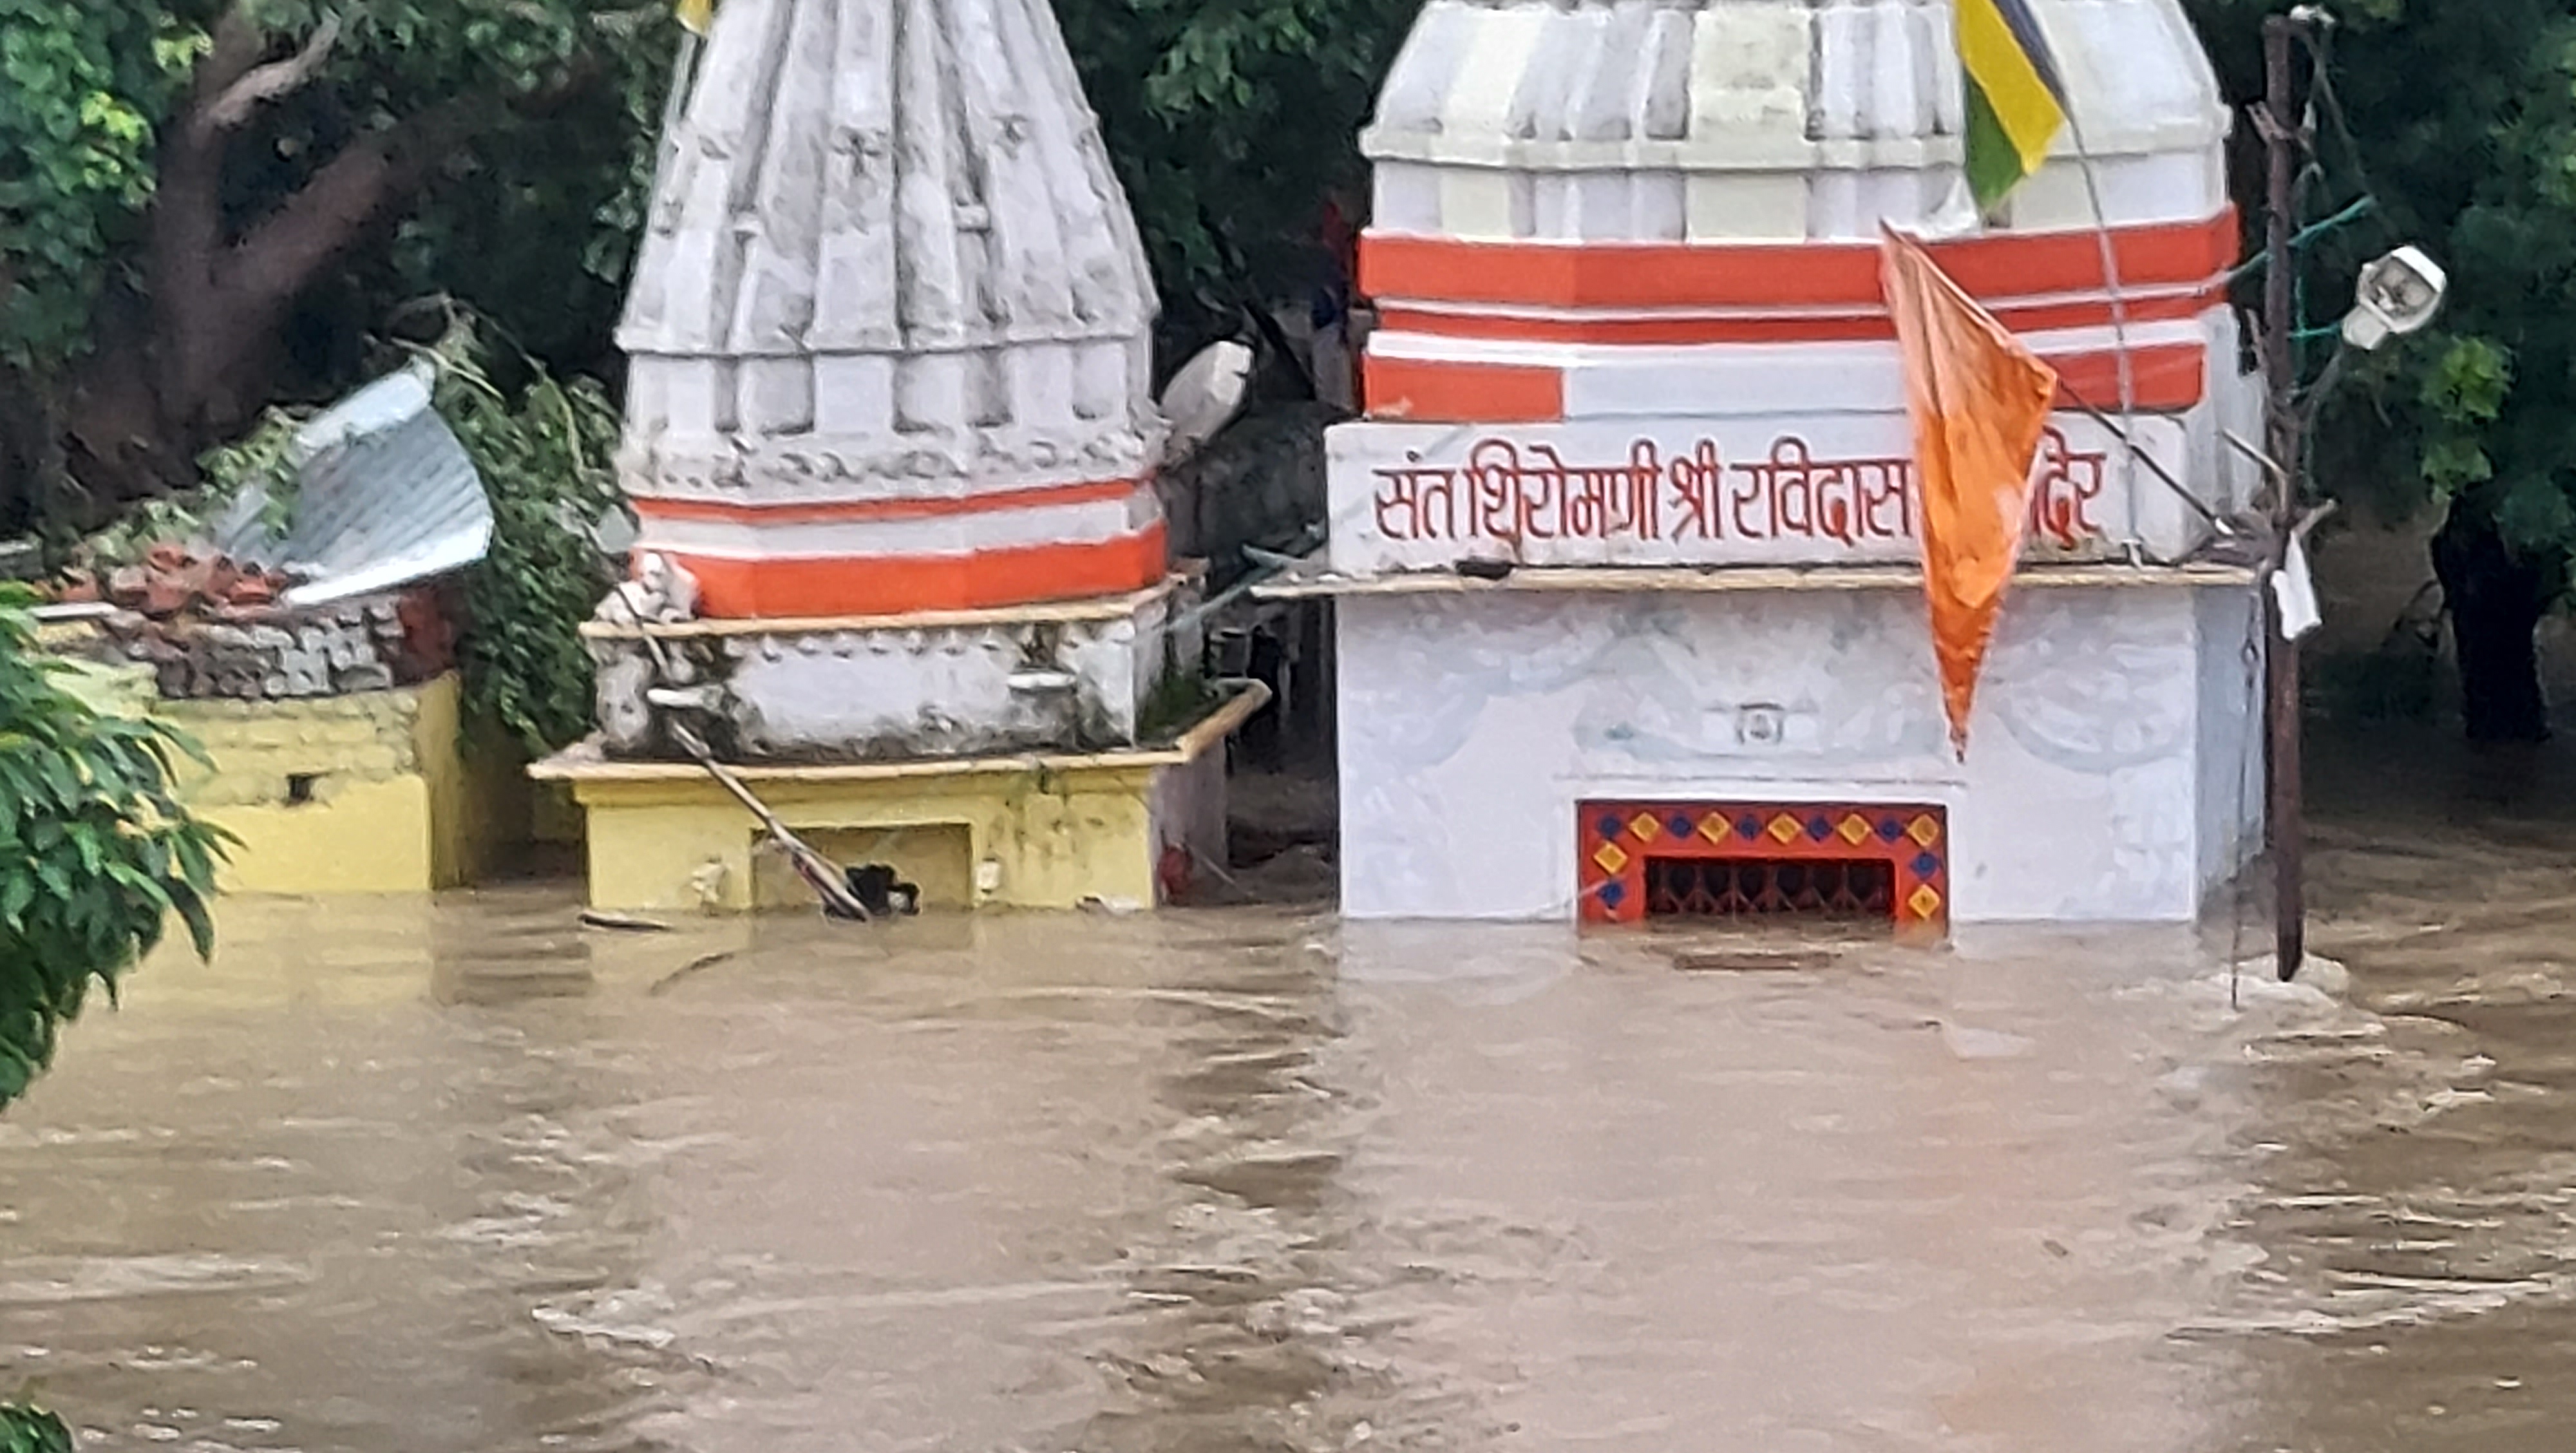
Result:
[222,300]
[262,84]
[276,257]
[235,45]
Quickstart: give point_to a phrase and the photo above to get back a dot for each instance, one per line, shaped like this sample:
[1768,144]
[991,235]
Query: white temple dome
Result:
[1614,215]
[890,323]
[1767,120]
[1606,213]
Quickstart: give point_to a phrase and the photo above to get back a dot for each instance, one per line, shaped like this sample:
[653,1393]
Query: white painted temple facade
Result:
[1631,358]
[891,448]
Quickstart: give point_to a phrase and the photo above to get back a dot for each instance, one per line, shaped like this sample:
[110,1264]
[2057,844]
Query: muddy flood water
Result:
[463,1177]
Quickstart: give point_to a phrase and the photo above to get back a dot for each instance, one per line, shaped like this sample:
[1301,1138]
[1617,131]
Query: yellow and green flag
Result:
[698,15]
[2016,103]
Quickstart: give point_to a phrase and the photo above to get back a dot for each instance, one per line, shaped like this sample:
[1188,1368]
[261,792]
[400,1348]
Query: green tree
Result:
[96,851]
[2459,120]
[31,1430]
[206,204]
[96,855]
[1231,125]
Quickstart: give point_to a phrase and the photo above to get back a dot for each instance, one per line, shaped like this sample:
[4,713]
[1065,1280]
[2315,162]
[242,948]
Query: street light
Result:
[2398,295]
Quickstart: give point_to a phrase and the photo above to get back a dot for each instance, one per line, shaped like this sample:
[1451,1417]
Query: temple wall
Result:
[2101,782]
[2230,750]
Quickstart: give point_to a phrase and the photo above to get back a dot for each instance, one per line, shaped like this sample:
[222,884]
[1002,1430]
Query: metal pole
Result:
[2280,373]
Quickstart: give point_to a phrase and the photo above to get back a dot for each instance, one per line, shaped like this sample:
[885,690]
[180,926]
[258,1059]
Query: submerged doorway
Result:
[1884,862]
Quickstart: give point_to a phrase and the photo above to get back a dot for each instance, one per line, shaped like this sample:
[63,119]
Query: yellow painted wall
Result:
[391,800]
[1057,838]
[482,806]
[553,815]
[937,858]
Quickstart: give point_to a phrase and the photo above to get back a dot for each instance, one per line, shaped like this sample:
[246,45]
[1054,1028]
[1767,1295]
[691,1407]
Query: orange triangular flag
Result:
[1979,401]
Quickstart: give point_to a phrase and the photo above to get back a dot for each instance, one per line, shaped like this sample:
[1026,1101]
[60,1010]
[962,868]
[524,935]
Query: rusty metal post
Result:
[2283,815]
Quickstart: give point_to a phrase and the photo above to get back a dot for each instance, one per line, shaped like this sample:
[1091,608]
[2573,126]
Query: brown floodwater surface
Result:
[463,1177]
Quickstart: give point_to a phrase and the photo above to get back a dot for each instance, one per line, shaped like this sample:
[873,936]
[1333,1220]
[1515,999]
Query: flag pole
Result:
[2285,807]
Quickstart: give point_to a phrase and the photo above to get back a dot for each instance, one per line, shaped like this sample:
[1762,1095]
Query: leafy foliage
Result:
[100,852]
[539,229]
[1230,124]
[30,1430]
[2460,120]
[545,450]
[81,88]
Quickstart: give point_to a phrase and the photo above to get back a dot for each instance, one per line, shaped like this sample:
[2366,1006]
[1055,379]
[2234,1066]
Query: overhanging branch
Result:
[275,257]
[262,84]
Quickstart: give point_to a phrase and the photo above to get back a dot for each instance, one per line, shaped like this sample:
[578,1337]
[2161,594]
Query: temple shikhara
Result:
[891,451]
[1626,555]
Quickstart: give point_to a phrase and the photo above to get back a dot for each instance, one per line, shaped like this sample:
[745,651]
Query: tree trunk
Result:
[28,443]
[194,355]
[2496,598]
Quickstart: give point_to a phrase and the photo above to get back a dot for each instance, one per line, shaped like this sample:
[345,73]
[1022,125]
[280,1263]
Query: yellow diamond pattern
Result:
[1925,903]
[1611,859]
[1785,829]
[1714,827]
[1855,830]
[1924,831]
[1645,825]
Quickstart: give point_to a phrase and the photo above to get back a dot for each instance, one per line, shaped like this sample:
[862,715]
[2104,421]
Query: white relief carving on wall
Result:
[801,468]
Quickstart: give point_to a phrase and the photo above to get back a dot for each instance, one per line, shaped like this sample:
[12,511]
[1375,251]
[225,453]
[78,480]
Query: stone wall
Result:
[282,654]
[371,792]
[263,750]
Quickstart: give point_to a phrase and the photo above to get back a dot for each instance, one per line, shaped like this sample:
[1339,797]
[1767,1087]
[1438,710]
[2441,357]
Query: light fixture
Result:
[2399,294]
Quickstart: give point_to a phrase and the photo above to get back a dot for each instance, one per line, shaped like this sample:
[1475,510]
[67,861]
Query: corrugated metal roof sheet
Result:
[385,495]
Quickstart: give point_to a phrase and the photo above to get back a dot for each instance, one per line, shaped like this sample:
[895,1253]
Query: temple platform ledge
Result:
[1036,830]
[1183,581]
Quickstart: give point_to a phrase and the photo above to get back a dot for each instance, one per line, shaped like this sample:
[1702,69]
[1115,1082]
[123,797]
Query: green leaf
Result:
[2535,514]
[94,828]
[201,923]
[32,1430]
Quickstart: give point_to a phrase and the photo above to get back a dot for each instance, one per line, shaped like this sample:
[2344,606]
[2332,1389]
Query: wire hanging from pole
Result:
[2122,360]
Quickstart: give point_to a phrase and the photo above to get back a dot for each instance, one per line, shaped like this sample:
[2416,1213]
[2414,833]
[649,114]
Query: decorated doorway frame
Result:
[1618,841]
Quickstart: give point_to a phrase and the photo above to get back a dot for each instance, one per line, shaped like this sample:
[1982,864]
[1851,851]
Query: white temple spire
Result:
[889,275]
